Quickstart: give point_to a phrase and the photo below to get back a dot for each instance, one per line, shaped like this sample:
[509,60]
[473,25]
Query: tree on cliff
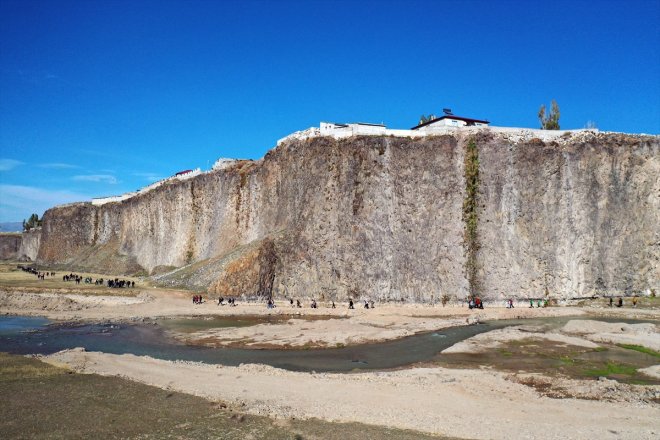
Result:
[32,222]
[550,121]
[424,119]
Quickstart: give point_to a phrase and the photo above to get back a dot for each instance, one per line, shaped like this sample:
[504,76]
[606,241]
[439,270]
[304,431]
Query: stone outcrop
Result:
[20,246]
[30,242]
[383,217]
[10,243]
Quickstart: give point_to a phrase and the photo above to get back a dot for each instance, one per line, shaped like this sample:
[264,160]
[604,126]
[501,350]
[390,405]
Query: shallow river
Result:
[25,335]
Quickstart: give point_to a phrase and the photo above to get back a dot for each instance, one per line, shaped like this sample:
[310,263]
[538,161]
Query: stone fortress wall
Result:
[120,198]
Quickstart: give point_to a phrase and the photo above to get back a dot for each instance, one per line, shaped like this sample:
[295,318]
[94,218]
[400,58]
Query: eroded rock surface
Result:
[382,218]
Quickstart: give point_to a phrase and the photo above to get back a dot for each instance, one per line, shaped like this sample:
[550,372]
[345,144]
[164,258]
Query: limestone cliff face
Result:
[570,218]
[30,242]
[10,243]
[382,217]
[20,246]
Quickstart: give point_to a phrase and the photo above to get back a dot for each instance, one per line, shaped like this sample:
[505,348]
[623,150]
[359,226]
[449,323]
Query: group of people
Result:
[72,277]
[475,303]
[620,301]
[118,284]
[314,305]
[33,271]
[230,302]
[539,303]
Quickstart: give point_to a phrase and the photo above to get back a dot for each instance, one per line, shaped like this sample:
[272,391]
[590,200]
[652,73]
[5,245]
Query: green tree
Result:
[31,222]
[424,119]
[549,121]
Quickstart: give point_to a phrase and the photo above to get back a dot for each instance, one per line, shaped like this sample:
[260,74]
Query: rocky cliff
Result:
[30,242]
[20,246]
[391,219]
[10,243]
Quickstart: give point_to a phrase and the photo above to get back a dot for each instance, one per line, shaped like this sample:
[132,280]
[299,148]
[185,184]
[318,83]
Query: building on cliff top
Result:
[337,130]
[451,120]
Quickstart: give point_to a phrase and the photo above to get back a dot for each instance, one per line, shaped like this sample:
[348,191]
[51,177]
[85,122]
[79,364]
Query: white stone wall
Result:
[103,200]
[223,163]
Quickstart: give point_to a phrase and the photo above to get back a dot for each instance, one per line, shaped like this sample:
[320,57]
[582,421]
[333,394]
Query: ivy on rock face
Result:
[470,215]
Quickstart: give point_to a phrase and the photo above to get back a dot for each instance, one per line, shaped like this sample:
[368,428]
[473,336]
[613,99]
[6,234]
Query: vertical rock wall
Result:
[30,242]
[382,217]
[10,243]
[570,219]
[20,246]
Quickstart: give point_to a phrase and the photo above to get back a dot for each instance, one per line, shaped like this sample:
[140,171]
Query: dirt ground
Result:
[436,400]
[42,401]
[433,400]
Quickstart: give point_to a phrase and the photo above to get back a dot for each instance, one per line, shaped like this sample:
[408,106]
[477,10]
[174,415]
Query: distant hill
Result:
[11,227]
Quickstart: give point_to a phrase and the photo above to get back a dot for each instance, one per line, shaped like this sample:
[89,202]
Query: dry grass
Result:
[14,279]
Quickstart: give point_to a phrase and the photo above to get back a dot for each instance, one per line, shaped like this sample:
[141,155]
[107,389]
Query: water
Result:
[153,340]
[23,335]
[191,325]
[10,325]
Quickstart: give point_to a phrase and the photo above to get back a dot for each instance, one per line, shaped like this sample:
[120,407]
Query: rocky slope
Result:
[391,219]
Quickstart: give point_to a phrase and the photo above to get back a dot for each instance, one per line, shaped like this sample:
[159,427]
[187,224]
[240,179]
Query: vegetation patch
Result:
[611,368]
[470,214]
[641,349]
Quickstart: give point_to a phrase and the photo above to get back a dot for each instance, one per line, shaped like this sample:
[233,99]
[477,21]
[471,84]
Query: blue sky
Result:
[103,97]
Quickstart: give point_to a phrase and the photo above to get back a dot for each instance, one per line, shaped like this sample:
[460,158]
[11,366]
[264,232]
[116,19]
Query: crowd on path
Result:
[368,304]
[270,303]
[115,283]
[112,283]
[33,271]
[472,302]
[619,302]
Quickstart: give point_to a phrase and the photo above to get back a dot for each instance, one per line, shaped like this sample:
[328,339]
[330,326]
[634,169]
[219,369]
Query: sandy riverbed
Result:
[434,400]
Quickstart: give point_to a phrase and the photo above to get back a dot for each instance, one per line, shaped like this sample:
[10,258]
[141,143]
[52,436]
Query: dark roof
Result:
[339,124]
[460,118]
[370,124]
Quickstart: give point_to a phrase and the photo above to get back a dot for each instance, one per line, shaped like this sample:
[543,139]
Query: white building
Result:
[364,128]
[450,120]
